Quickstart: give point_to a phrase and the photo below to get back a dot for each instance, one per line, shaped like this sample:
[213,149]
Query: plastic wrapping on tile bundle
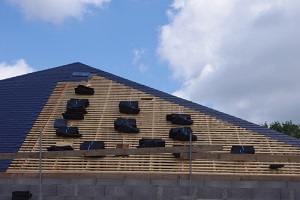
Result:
[92,145]
[237,149]
[60,123]
[151,142]
[181,119]
[76,108]
[125,125]
[73,115]
[84,90]
[182,134]
[79,102]
[60,148]
[69,131]
[276,166]
[21,195]
[129,107]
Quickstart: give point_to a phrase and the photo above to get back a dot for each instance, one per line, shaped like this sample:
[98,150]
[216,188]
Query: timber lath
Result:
[98,125]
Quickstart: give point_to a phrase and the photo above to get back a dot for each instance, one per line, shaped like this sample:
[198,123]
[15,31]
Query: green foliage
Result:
[285,127]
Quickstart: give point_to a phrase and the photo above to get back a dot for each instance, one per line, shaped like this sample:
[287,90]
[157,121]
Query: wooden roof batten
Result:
[215,135]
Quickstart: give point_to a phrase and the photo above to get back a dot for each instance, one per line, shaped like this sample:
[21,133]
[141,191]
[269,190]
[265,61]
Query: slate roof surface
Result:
[22,98]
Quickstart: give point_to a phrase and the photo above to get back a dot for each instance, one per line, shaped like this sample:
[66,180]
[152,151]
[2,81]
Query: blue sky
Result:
[118,38]
[238,57]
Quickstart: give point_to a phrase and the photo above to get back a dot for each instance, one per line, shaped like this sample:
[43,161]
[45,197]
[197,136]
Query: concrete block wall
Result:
[146,189]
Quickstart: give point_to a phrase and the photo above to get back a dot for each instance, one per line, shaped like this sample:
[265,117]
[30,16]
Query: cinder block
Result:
[117,198]
[266,193]
[171,192]
[197,183]
[91,191]
[80,181]
[47,190]
[110,182]
[137,182]
[239,193]
[210,193]
[67,190]
[6,181]
[81,198]
[164,182]
[110,198]
[295,185]
[183,198]
[27,181]
[205,193]
[296,194]
[218,184]
[53,198]
[34,197]
[55,181]
[5,197]
[287,194]
[272,184]
[245,184]
[8,189]
[118,191]
[145,191]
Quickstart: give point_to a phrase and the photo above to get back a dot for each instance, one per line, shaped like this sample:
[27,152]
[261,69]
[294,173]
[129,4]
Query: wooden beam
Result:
[175,176]
[242,157]
[105,152]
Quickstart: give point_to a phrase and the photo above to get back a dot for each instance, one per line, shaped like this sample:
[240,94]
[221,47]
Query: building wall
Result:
[107,189]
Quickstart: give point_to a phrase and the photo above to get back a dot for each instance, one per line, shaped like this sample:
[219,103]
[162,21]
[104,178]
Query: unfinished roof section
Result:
[98,125]
[210,126]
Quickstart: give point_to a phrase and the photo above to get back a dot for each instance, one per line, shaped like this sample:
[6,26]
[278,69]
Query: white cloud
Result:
[56,11]
[138,55]
[143,67]
[240,57]
[18,68]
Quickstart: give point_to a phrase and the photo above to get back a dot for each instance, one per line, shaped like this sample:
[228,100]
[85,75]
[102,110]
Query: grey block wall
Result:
[146,189]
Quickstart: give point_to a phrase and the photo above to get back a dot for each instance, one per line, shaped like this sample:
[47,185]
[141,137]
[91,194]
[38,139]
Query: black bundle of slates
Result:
[60,123]
[181,119]
[21,195]
[92,145]
[151,142]
[60,148]
[84,90]
[276,166]
[79,102]
[70,131]
[129,107]
[73,116]
[126,125]
[236,149]
[182,134]
[76,108]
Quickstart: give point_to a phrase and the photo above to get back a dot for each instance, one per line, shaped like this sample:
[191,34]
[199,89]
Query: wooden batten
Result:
[98,125]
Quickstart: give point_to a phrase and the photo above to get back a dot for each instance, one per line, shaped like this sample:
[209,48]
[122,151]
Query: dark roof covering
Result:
[22,98]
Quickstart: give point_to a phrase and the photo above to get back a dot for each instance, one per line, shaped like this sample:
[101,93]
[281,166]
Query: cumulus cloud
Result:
[138,55]
[56,11]
[240,57]
[19,67]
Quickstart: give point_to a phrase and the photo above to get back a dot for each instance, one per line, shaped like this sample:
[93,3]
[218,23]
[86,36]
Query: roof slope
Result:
[23,98]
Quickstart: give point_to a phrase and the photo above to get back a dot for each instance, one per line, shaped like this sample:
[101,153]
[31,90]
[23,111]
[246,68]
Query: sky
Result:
[238,57]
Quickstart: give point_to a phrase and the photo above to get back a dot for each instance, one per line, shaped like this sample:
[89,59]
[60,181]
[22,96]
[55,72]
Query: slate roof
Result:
[22,98]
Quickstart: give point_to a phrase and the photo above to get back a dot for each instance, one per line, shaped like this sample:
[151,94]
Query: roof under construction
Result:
[32,103]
